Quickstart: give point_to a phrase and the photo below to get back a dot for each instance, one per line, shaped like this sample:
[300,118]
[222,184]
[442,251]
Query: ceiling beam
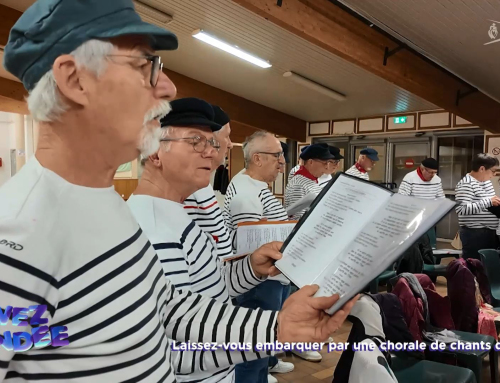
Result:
[241,110]
[8,18]
[335,30]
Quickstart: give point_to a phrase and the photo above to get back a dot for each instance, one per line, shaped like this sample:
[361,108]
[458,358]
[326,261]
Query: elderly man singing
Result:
[181,167]
[97,90]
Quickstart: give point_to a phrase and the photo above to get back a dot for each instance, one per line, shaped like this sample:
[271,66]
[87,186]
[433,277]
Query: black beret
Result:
[191,111]
[317,151]
[430,163]
[220,117]
[335,152]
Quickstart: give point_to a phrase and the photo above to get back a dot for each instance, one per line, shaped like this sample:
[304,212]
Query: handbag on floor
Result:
[457,243]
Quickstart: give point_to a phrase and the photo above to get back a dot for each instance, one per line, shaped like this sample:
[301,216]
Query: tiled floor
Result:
[308,372]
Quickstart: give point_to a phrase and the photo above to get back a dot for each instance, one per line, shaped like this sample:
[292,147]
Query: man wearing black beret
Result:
[189,255]
[332,166]
[202,206]
[305,180]
[423,182]
[98,91]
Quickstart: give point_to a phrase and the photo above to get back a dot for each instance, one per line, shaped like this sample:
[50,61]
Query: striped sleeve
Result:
[38,286]
[440,192]
[194,318]
[466,206]
[239,276]
[404,188]
[243,208]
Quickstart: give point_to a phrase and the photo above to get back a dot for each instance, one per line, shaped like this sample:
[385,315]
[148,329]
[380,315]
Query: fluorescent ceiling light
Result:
[234,50]
[314,86]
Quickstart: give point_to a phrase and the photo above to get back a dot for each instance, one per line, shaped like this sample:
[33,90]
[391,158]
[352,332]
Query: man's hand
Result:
[262,260]
[495,201]
[302,318]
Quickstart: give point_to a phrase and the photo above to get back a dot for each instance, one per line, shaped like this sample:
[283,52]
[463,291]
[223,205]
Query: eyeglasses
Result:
[333,162]
[157,66]
[199,142]
[276,155]
[430,171]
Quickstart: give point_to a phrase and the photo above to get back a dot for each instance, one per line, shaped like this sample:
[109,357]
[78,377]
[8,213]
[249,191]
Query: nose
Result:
[229,143]
[165,88]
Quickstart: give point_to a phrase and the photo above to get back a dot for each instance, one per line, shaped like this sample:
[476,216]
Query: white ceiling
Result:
[453,33]
[366,93]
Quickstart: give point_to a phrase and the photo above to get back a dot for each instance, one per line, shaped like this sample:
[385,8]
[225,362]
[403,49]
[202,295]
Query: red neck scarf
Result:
[419,172]
[306,173]
[360,168]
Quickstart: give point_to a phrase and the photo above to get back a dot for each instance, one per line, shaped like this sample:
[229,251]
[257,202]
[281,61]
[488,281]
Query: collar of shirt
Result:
[419,172]
[306,173]
[360,168]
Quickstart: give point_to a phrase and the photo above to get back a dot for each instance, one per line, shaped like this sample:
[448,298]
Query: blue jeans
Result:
[269,295]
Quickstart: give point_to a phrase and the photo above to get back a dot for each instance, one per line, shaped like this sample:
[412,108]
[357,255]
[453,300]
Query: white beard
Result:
[149,141]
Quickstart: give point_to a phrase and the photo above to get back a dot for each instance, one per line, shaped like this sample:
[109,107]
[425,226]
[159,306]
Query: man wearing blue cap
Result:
[366,161]
[305,180]
[97,90]
[202,206]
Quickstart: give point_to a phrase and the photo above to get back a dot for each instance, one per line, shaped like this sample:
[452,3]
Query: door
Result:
[406,157]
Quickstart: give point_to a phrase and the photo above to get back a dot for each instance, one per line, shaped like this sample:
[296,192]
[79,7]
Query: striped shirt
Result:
[473,200]
[413,185]
[80,252]
[353,171]
[189,259]
[249,200]
[293,171]
[297,188]
[324,179]
[204,209]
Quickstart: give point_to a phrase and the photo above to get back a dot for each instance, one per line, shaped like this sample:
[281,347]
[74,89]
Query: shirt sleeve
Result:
[405,187]
[194,318]
[239,276]
[24,284]
[440,192]
[464,194]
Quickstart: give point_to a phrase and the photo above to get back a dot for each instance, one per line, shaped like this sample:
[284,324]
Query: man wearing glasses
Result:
[305,180]
[423,182]
[366,161]
[98,96]
[248,199]
[332,166]
[189,255]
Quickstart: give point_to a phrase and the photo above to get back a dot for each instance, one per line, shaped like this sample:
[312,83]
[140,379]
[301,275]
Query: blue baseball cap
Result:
[51,28]
[371,153]
[335,152]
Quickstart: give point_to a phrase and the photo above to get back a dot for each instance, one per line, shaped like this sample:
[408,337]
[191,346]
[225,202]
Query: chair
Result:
[472,360]
[434,271]
[445,253]
[491,261]
[410,370]
[383,278]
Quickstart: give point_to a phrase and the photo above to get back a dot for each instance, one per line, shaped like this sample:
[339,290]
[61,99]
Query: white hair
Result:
[250,146]
[45,102]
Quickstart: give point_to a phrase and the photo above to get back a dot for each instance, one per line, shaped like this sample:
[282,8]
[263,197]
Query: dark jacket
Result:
[439,307]
[462,292]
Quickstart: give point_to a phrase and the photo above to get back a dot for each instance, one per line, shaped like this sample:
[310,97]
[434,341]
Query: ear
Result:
[155,160]
[256,159]
[68,79]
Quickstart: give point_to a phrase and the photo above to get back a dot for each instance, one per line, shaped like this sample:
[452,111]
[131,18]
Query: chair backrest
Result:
[491,261]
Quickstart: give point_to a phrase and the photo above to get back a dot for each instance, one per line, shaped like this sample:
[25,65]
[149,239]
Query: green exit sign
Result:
[400,120]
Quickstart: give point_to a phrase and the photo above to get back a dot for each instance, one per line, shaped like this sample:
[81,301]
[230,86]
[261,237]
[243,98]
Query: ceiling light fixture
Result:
[314,86]
[234,50]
